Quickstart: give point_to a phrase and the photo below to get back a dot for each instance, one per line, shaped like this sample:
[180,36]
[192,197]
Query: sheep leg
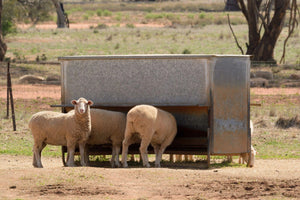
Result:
[229,158]
[115,156]
[132,158]
[157,154]
[178,157]
[36,159]
[143,150]
[37,149]
[86,155]
[248,159]
[171,158]
[71,152]
[186,159]
[82,154]
[162,149]
[125,150]
[34,162]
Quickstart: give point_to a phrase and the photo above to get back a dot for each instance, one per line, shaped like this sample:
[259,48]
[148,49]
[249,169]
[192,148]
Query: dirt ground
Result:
[54,91]
[85,25]
[269,179]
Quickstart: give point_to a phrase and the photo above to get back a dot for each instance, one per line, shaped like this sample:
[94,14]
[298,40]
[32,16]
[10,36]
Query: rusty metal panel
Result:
[135,79]
[230,105]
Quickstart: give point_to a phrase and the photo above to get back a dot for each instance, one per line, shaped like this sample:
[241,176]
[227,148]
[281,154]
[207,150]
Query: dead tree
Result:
[3,46]
[265,26]
[62,18]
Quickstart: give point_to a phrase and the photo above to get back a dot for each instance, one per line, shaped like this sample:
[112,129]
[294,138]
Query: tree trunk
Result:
[61,18]
[253,34]
[232,5]
[265,49]
[3,46]
[263,32]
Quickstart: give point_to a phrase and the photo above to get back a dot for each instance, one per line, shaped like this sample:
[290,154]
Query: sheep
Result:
[151,125]
[244,157]
[179,158]
[108,127]
[67,129]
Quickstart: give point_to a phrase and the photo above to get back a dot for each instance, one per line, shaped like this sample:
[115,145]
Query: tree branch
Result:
[293,22]
[237,43]
[262,18]
[243,8]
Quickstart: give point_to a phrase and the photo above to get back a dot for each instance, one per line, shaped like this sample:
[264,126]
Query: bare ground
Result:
[269,179]
[54,91]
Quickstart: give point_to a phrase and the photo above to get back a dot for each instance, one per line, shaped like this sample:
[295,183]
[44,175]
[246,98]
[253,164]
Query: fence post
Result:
[10,97]
[7,99]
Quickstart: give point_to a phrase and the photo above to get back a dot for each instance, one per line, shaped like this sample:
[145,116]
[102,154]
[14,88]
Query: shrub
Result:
[130,26]
[202,15]
[186,51]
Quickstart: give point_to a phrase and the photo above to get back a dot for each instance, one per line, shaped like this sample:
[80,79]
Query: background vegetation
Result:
[144,28]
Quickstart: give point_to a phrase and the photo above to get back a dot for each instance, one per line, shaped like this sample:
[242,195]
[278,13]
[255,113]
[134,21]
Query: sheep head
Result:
[81,105]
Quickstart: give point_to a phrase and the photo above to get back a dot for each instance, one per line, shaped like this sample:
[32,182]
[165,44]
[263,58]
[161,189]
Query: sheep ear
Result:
[90,102]
[74,102]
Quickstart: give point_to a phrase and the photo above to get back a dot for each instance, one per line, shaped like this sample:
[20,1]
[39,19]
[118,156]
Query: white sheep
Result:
[151,125]
[244,157]
[108,127]
[179,158]
[66,129]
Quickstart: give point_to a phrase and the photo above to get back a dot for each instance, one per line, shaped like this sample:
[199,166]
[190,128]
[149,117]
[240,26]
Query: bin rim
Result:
[149,56]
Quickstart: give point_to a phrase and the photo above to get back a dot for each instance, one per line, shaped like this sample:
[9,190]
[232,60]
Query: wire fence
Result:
[33,86]
[22,93]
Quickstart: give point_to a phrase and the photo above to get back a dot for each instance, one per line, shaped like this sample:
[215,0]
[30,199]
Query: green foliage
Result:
[154,16]
[34,10]
[85,17]
[202,15]
[186,51]
[105,13]
[24,11]
[130,26]
[9,11]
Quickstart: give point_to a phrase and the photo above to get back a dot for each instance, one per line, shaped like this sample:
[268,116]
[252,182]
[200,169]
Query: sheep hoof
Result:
[125,165]
[157,165]
[71,165]
[147,165]
[114,166]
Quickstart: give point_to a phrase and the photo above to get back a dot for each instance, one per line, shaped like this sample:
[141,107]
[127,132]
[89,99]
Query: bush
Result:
[8,17]
[186,51]
[104,13]
[130,26]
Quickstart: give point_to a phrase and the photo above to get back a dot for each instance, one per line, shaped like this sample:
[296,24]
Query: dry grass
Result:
[286,123]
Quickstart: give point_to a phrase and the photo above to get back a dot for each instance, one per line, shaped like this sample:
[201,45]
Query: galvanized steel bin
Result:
[207,94]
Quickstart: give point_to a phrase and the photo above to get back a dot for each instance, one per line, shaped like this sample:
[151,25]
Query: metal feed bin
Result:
[208,95]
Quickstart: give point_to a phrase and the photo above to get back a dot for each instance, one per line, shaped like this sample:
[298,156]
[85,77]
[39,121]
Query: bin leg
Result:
[208,148]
